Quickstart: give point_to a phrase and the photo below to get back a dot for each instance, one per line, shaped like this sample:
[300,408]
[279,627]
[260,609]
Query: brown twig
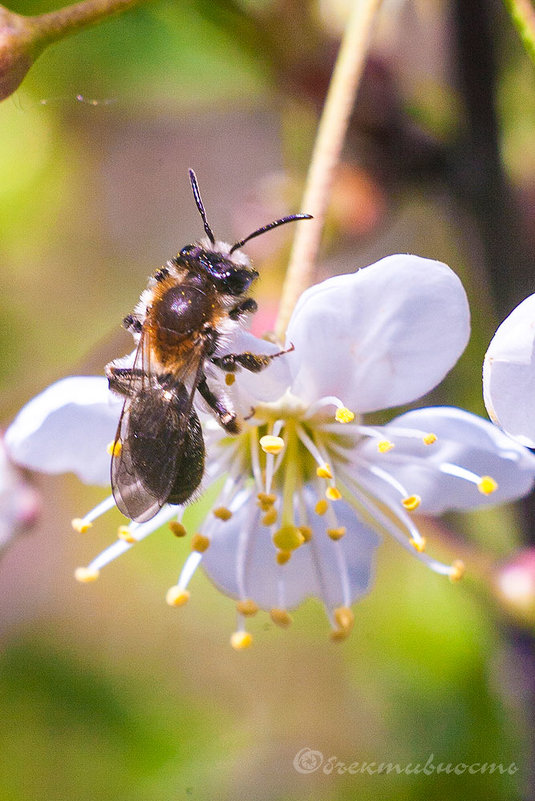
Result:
[22,39]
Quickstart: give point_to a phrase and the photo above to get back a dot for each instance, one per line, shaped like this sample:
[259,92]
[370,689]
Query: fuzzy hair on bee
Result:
[183,325]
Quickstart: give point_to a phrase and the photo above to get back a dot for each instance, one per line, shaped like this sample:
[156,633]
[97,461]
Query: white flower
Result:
[509,374]
[308,486]
[19,501]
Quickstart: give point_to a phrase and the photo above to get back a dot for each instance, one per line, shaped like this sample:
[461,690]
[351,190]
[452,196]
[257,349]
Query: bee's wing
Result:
[143,469]
[150,435]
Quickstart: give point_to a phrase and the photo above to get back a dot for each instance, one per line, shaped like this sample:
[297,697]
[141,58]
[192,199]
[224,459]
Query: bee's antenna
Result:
[198,201]
[265,228]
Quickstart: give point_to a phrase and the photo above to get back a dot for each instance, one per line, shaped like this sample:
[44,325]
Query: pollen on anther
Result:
[457,571]
[124,533]
[418,545]
[412,502]
[324,471]
[283,556]
[344,618]
[487,485]
[333,493]
[429,439]
[271,444]
[177,528]
[336,533]
[200,543]
[321,506]
[338,635]
[270,517]
[266,500]
[230,379]
[280,617]
[114,448]
[384,445]
[344,415]
[80,525]
[86,574]
[241,640]
[247,607]
[176,596]
[306,531]
[288,538]
[222,513]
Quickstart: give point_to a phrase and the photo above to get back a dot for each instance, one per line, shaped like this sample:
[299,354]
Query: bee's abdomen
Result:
[190,466]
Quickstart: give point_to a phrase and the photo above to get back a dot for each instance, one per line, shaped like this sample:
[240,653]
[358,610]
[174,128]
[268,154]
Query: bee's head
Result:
[231,275]
[228,268]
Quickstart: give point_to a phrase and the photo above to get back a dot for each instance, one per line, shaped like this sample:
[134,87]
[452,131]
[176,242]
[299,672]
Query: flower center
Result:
[292,472]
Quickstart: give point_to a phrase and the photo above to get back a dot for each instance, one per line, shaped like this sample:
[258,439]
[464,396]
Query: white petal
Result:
[67,428]
[379,337]
[509,374]
[241,561]
[463,439]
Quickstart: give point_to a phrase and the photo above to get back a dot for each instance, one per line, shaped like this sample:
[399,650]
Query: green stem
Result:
[290,475]
[523,16]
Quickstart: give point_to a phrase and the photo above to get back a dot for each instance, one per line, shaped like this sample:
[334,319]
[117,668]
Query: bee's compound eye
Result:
[238,280]
[188,250]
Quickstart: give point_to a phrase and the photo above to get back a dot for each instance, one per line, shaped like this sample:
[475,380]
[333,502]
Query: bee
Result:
[188,310]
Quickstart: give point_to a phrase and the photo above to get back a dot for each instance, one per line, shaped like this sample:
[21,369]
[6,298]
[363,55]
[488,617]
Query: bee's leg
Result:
[255,362]
[124,380]
[247,306]
[225,417]
[133,324]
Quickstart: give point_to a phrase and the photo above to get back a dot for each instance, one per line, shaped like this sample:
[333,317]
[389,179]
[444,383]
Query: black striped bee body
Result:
[190,307]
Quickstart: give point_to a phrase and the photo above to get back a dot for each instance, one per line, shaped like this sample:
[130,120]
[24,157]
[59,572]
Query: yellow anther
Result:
[266,500]
[336,533]
[86,574]
[222,513]
[230,379]
[344,415]
[114,448]
[124,533]
[200,543]
[344,618]
[306,531]
[247,607]
[324,471]
[176,596]
[288,538]
[333,493]
[321,507]
[339,635]
[283,556]
[280,617]
[384,445]
[80,525]
[487,485]
[418,545]
[241,640]
[457,571]
[177,528]
[430,439]
[412,502]
[270,517]
[271,444]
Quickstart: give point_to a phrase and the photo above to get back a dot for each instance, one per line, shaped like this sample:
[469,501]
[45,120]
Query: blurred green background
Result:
[105,692]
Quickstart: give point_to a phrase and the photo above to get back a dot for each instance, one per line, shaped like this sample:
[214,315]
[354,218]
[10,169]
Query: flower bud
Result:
[514,583]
